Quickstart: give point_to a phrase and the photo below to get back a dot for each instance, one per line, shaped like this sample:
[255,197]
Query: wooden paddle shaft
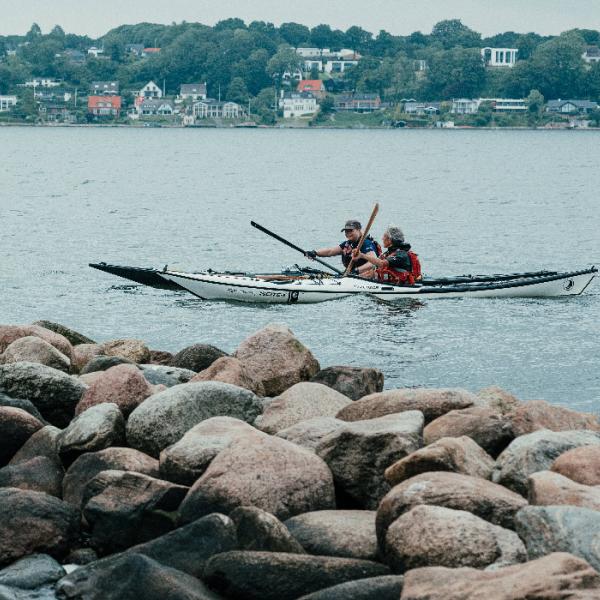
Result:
[363,236]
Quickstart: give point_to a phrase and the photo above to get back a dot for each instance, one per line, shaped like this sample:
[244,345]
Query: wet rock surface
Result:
[282,576]
[158,481]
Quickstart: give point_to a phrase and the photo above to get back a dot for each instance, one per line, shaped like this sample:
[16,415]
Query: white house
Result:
[499,57]
[465,106]
[7,102]
[45,82]
[150,90]
[192,91]
[214,109]
[297,104]
[95,52]
[515,105]
[326,61]
[591,54]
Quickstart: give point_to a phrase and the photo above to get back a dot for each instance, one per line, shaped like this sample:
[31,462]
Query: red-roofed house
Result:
[314,86]
[149,51]
[104,106]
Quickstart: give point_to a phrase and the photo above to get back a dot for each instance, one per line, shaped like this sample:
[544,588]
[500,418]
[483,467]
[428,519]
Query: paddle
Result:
[363,237]
[284,241]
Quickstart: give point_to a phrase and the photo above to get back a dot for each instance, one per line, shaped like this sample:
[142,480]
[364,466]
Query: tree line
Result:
[245,61]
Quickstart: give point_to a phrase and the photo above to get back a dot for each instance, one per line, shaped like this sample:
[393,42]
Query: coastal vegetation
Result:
[251,63]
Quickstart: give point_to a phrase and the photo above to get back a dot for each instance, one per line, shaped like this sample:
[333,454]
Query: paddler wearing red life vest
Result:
[398,265]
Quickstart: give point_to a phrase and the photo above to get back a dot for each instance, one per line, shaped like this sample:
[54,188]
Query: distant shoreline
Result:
[297,127]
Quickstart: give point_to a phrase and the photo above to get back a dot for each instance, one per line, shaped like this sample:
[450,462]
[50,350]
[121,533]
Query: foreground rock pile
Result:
[259,475]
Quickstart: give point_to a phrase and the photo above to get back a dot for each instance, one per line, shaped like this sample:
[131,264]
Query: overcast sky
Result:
[94,18]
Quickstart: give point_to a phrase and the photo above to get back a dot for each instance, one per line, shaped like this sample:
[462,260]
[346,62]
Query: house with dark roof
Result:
[357,102]
[569,107]
[135,49]
[104,88]
[153,107]
[412,107]
[591,54]
[192,91]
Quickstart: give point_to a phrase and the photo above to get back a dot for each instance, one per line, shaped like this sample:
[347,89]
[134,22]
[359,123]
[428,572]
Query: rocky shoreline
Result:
[131,472]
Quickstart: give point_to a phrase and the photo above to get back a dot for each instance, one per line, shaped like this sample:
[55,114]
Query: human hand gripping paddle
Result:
[363,237]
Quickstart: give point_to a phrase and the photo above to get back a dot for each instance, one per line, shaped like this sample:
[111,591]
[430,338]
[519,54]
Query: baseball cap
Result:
[352,224]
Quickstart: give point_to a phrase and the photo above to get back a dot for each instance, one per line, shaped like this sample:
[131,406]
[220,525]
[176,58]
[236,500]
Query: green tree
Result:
[451,33]
[264,106]
[294,34]
[535,102]
[285,60]
[322,36]
[314,72]
[237,91]
[557,70]
[358,39]
[34,33]
[455,73]
[230,24]
[592,82]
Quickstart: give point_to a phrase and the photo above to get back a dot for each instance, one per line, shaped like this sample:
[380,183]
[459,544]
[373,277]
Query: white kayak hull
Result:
[242,288]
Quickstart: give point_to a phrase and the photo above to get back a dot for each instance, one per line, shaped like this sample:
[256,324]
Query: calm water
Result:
[469,201]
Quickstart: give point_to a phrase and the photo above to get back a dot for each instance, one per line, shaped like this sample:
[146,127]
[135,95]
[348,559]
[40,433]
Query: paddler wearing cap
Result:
[353,231]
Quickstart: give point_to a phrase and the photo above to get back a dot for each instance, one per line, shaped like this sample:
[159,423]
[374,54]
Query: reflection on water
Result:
[59,212]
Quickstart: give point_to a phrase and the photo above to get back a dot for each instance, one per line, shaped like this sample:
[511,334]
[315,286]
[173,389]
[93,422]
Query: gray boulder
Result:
[16,427]
[262,471]
[137,576]
[23,404]
[458,455]
[309,434]
[88,465]
[353,382]
[573,529]
[165,417]
[96,428]
[483,498]
[384,587]
[38,474]
[32,572]
[36,350]
[275,359]
[345,533]
[129,509]
[281,576]
[54,393]
[536,452]
[102,362]
[186,460]
[41,443]
[35,522]
[359,453]
[73,336]
[302,401]
[186,549]
[438,536]
[259,530]
[165,375]
[196,358]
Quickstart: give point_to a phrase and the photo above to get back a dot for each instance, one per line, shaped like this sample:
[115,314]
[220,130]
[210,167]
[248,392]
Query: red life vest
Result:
[401,277]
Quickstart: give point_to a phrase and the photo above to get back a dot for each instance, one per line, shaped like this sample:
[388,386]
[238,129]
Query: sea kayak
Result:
[306,286]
